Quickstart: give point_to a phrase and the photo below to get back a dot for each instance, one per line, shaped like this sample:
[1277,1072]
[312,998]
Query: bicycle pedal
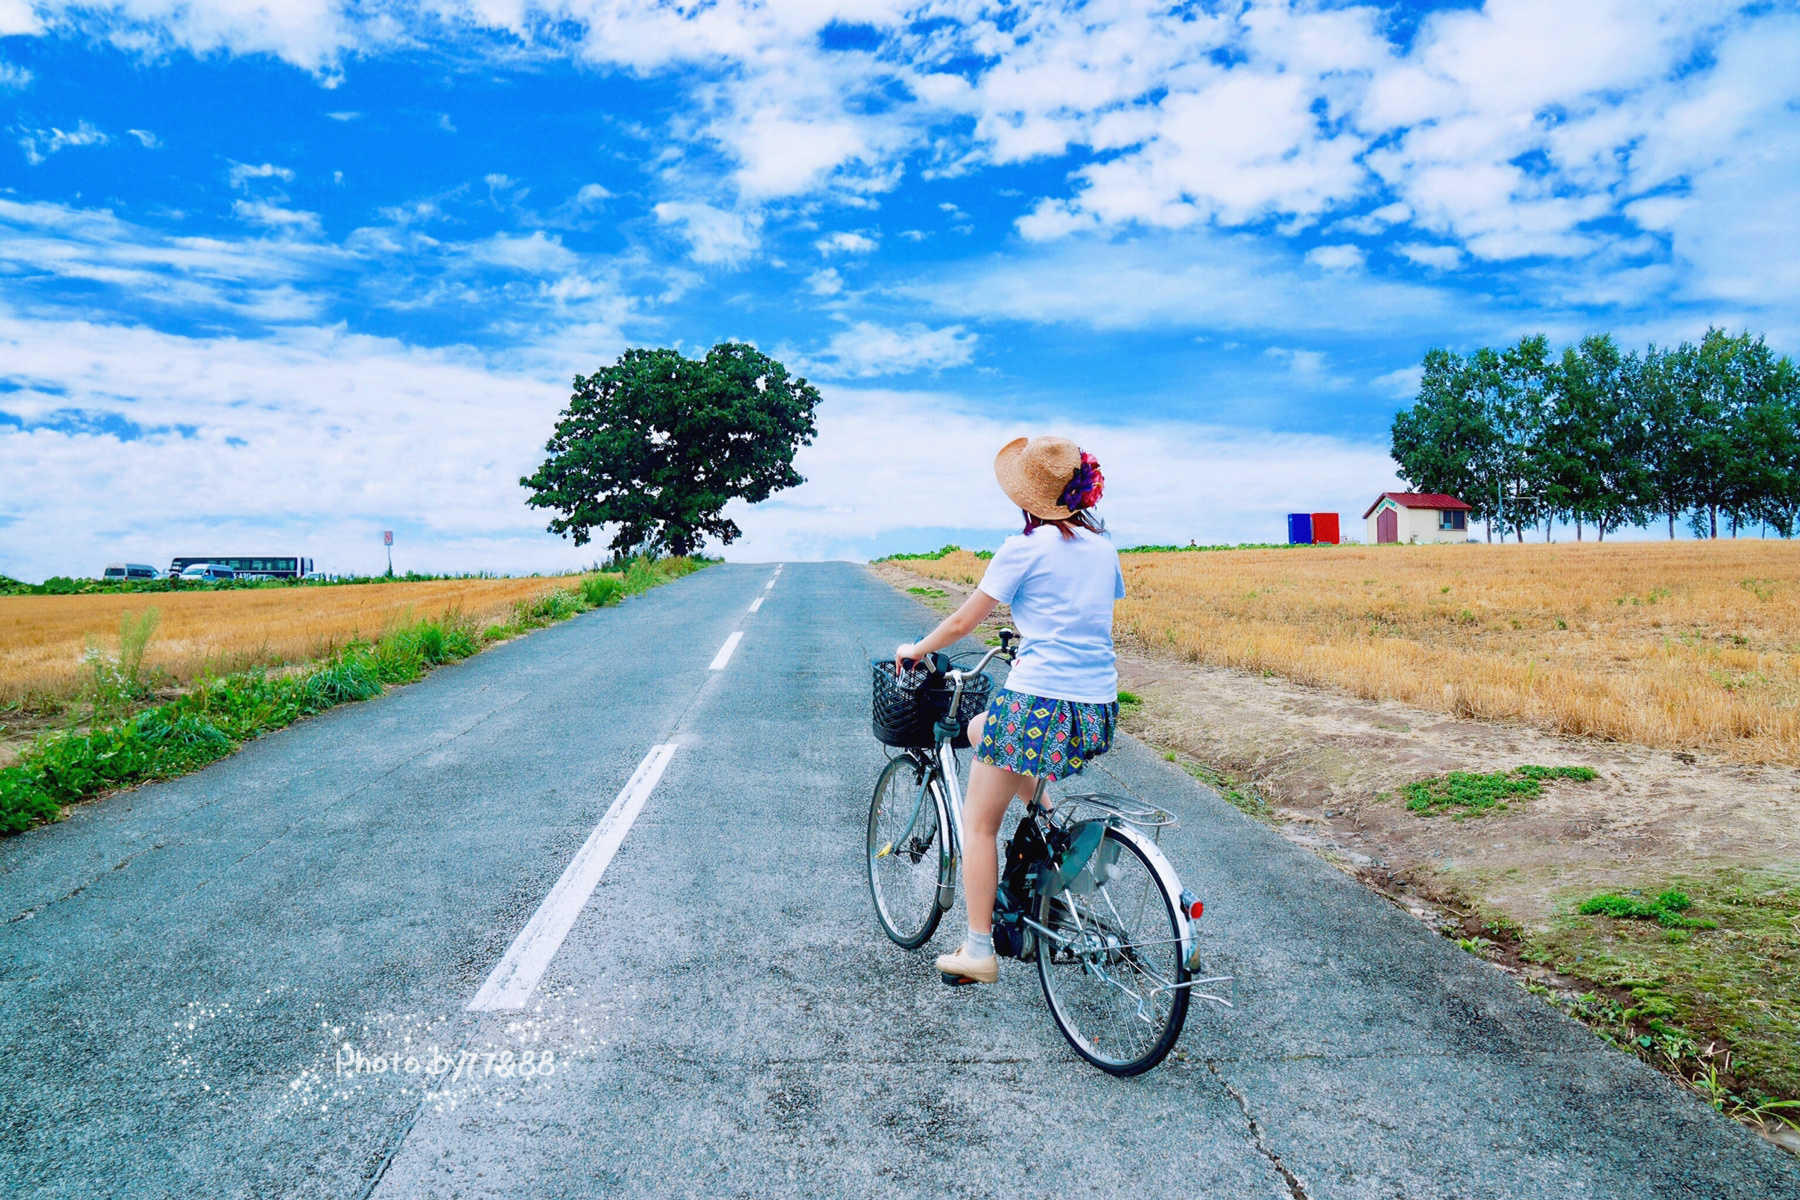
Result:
[956,980]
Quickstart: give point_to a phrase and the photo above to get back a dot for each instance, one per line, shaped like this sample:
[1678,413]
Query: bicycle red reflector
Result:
[1191,905]
[1196,908]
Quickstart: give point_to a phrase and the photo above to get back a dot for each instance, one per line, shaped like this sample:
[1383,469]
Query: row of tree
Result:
[1605,439]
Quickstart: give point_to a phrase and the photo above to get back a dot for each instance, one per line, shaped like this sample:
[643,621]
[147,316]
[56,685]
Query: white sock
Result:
[979,945]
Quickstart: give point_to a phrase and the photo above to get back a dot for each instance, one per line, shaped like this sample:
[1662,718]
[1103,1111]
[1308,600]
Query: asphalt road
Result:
[199,979]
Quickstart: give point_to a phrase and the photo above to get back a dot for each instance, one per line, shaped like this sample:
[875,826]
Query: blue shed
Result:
[1300,531]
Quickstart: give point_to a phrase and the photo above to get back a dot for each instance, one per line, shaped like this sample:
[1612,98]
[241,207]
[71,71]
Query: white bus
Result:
[254,567]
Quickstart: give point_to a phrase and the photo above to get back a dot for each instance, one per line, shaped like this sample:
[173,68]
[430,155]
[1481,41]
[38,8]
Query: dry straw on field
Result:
[1677,644]
[43,638]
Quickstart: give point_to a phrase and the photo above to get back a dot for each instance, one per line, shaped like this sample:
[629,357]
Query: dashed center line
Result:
[724,654]
[757,603]
[510,984]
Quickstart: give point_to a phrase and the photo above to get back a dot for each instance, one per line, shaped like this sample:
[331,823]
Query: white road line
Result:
[511,983]
[757,603]
[724,654]
[778,567]
[768,585]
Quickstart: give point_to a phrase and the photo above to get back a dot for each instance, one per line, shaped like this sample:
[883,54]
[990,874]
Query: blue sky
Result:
[278,277]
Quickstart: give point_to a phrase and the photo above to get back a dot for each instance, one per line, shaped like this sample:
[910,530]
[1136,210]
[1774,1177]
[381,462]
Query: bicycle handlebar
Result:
[958,675]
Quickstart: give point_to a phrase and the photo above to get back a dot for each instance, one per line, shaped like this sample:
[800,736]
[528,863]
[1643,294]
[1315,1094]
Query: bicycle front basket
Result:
[902,716]
[974,702]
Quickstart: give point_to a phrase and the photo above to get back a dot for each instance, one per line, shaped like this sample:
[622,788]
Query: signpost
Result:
[387,539]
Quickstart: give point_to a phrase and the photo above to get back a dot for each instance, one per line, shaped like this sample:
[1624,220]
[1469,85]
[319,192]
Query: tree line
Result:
[1603,438]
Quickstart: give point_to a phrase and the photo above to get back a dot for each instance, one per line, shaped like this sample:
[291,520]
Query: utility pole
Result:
[387,539]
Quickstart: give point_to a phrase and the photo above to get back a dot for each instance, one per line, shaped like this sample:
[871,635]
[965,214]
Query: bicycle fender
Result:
[1165,874]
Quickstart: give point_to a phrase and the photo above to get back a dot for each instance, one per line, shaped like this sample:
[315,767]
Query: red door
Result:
[1387,526]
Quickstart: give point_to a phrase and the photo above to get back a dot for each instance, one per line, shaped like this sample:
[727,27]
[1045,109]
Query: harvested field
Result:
[43,638]
[1683,645]
[1328,765]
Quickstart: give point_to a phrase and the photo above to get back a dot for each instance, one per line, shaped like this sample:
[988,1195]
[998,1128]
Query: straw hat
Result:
[1035,473]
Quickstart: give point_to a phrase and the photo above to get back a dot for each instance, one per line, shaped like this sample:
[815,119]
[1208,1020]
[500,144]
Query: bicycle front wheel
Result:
[1110,975]
[906,857]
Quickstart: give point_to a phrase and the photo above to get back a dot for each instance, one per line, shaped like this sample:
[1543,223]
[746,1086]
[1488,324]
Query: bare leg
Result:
[991,789]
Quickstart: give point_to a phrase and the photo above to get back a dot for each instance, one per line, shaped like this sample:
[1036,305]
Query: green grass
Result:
[1235,791]
[931,592]
[1130,700]
[1472,793]
[1727,977]
[119,749]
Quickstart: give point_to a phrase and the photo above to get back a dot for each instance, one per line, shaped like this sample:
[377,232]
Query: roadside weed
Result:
[1475,793]
[1234,791]
[1665,910]
[116,681]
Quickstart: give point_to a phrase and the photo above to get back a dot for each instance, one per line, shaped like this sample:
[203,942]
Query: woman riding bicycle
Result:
[1060,704]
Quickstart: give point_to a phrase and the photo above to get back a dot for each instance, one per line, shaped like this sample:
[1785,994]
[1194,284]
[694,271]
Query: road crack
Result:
[1296,1189]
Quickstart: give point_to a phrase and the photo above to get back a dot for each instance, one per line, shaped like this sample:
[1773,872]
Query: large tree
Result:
[656,445]
[1594,470]
[1446,441]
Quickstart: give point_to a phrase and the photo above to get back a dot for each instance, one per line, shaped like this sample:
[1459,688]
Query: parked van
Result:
[116,571]
[204,572]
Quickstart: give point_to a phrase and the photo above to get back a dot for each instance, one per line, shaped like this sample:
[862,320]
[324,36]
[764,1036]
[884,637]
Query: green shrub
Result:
[23,801]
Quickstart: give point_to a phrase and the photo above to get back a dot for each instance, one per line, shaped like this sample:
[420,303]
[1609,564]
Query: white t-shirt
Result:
[1062,594]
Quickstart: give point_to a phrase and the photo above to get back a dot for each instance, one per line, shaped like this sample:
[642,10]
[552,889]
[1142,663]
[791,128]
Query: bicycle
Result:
[1092,899]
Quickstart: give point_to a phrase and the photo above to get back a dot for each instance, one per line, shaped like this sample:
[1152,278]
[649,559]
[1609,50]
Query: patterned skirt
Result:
[1053,739]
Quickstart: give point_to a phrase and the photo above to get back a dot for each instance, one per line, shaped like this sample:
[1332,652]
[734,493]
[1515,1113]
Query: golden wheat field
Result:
[43,638]
[1677,644]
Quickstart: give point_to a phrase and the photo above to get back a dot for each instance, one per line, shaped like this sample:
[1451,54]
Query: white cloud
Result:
[39,144]
[1401,384]
[1307,366]
[536,254]
[1517,128]
[714,235]
[1166,482]
[95,247]
[12,78]
[868,349]
[146,139]
[1336,258]
[846,243]
[1442,258]
[1190,280]
[242,173]
[326,456]
[343,116]
[275,217]
[826,282]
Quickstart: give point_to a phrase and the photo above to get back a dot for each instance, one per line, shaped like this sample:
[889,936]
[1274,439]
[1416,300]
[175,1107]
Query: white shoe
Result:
[961,968]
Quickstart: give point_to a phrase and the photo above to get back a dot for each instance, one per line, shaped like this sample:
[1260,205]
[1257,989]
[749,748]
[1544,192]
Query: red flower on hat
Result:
[1085,488]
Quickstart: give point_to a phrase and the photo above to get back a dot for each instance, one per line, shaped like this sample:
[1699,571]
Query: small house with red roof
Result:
[1418,517]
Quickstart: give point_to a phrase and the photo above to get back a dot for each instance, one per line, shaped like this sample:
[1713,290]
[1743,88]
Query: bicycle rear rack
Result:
[1123,808]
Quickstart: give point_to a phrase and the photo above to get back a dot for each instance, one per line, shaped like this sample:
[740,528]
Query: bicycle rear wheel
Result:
[1110,975]
[906,857]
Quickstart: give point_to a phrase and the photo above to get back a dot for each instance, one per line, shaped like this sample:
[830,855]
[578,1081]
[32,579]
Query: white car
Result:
[207,572]
[118,572]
